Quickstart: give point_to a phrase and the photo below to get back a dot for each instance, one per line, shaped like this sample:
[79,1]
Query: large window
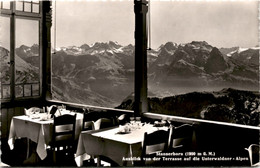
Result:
[204,61]
[27,67]
[93,52]
[5,58]
[20,49]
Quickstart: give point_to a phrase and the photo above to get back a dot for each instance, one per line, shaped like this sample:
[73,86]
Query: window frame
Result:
[14,14]
[147,113]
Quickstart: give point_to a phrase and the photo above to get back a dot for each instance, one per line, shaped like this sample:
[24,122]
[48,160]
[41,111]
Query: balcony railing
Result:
[21,90]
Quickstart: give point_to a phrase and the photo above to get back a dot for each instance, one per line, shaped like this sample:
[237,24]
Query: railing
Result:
[159,116]
[21,90]
[26,93]
[77,105]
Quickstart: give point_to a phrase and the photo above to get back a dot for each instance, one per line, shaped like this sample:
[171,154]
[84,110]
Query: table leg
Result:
[32,160]
[98,161]
[28,148]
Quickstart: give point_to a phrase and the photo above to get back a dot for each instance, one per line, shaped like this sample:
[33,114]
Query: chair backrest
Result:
[155,142]
[64,128]
[181,137]
[122,119]
[254,153]
[104,123]
[91,116]
[88,121]
[52,110]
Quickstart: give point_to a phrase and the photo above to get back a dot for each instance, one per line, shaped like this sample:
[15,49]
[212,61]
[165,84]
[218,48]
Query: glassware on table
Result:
[138,124]
[138,118]
[132,120]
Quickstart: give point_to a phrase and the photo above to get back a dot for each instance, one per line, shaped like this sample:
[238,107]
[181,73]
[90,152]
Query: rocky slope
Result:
[227,105]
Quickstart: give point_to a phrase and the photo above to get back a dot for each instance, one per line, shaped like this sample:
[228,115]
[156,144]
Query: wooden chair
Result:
[254,153]
[101,120]
[88,121]
[51,110]
[181,138]
[122,119]
[63,136]
[153,143]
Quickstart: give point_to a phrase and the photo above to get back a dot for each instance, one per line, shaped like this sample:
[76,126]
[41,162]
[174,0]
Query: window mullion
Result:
[12,52]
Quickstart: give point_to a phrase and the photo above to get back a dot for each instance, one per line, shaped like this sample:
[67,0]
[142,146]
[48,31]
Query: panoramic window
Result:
[205,63]
[5,58]
[20,49]
[93,52]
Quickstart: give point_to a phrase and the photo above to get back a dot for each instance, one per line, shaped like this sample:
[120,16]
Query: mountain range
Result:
[25,69]
[103,73]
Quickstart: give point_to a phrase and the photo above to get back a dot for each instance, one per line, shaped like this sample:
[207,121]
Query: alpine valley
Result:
[102,74]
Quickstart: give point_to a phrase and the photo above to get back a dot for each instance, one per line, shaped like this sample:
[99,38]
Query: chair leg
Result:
[54,156]
[28,148]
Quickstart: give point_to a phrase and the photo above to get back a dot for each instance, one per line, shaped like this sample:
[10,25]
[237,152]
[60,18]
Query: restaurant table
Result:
[38,131]
[119,147]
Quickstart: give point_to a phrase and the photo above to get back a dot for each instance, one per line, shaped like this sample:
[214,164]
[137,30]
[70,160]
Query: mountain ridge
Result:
[172,68]
[226,105]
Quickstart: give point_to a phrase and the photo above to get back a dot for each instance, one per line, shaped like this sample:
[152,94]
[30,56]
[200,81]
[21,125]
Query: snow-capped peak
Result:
[241,49]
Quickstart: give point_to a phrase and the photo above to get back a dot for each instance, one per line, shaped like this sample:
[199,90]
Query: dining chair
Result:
[104,123]
[52,110]
[88,122]
[254,153]
[154,142]
[63,136]
[122,119]
[181,138]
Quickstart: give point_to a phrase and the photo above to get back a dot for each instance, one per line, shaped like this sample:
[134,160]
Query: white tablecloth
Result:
[113,145]
[36,130]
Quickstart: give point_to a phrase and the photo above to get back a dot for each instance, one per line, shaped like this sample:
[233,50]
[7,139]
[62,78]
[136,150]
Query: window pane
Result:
[195,60]
[6,4]
[6,91]
[5,56]
[19,5]
[102,73]
[18,91]
[35,8]
[27,90]
[36,90]
[27,59]
[27,7]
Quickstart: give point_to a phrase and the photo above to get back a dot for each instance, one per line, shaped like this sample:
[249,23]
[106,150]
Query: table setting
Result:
[116,142]
[37,126]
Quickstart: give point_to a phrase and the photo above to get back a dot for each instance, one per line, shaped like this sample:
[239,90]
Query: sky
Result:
[221,24]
